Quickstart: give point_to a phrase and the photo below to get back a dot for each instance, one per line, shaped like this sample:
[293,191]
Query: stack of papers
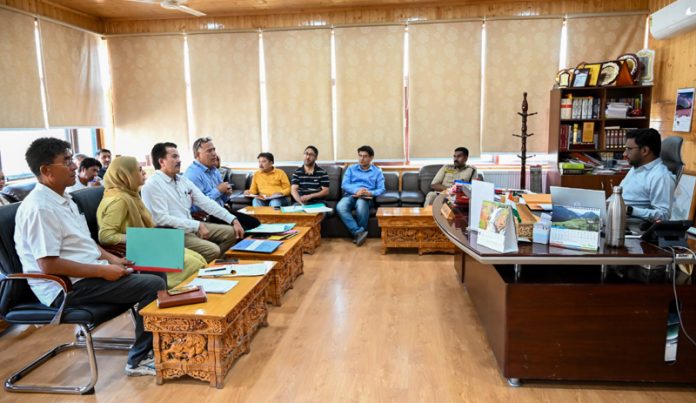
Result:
[617,111]
[214,286]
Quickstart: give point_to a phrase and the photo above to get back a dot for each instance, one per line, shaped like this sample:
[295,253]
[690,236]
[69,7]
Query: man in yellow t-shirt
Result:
[269,186]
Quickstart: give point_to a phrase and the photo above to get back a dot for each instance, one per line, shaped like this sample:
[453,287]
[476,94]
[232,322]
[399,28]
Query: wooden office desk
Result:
[561,314]
[411,227]
[203,340]
[290,264]
[269,215]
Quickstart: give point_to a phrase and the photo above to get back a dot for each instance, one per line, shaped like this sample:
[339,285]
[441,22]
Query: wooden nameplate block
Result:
[447,212]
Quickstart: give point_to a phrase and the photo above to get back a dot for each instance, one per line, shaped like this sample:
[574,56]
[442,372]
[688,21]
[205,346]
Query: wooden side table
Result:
[269,215]
[204,340]
[289,264]
[411,227]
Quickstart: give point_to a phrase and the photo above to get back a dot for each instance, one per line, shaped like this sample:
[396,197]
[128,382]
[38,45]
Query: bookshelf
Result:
[579,126]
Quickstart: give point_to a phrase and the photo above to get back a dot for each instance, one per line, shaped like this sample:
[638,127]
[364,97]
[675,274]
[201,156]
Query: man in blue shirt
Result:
[204,173]
[649,186]
[362,182]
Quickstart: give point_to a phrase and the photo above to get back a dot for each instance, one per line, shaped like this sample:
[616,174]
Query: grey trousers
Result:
[222,237]
[128,290]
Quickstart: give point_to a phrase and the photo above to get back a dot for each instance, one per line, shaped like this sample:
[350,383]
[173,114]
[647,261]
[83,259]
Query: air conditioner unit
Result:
[673,19]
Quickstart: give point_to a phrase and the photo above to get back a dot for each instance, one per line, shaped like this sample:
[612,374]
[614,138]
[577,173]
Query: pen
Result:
[214,270]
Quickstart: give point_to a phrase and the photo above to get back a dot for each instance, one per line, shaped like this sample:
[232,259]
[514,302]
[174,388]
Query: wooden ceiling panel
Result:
[131,10]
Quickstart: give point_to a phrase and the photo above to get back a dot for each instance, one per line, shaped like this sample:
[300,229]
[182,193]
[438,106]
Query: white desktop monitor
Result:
[573,197]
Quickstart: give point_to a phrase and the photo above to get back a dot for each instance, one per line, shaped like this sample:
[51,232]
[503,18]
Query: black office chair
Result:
[19,306]
[671,155]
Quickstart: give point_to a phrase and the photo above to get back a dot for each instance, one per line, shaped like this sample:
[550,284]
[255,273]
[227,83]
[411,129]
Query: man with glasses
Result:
[205,174]
[310,183]
[446,176]
[649,186]
[3,199]
[361,183]
[52,237]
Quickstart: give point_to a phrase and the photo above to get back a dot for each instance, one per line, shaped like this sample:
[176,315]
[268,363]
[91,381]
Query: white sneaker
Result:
[144,367]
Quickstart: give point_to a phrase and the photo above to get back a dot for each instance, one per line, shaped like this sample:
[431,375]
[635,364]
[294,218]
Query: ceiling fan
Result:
[173,5]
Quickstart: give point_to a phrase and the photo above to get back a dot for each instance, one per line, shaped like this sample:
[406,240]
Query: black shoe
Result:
[360,238]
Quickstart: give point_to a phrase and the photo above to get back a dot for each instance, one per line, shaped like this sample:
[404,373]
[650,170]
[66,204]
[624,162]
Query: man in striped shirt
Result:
[310,183]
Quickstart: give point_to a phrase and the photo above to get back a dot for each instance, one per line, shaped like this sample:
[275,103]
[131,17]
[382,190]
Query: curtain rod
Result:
[405,22]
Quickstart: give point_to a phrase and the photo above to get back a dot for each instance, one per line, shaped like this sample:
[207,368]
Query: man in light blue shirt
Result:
[204,173]
[362,182]
[649,186]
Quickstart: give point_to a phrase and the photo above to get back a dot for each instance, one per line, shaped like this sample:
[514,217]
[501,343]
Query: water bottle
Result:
[616,219]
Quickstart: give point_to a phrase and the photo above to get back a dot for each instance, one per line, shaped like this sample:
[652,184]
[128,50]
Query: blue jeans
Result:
[345,207]
[282,201]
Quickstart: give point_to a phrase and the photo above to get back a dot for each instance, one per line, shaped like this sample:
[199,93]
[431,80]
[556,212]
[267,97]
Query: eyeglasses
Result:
[628,149]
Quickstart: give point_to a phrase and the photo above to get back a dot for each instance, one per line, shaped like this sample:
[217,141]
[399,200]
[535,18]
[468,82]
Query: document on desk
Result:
[234,270]
[214,286]
[271,228]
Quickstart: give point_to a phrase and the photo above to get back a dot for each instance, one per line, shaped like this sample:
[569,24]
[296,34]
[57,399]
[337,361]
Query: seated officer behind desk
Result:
[361,183]
[52,237]
[310,183]
[271,186]
[649,186]
[169,197]
[446,176]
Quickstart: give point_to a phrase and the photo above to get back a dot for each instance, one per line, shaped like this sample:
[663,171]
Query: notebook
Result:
[164,300]
[257,245]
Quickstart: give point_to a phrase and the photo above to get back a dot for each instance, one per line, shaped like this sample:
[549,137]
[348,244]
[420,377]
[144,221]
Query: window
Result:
[15,143]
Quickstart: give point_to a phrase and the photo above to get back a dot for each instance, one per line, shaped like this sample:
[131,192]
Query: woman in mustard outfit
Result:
[121,207]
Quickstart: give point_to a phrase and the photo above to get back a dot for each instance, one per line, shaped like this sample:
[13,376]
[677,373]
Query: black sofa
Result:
[414,187]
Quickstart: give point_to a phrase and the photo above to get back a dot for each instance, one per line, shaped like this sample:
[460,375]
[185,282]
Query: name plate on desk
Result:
[497,228]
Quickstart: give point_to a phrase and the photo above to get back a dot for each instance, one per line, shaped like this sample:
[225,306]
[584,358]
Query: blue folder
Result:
[256,245]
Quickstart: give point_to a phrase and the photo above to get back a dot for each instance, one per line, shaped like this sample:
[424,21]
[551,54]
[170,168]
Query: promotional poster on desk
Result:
[480,192]
[575,227]
[497,227]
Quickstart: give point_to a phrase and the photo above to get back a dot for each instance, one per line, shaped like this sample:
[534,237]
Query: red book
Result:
[164,300]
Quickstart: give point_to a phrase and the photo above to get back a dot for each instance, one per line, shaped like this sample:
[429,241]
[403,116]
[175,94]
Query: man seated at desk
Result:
[169,197]
[269,186]
[649,186]
[52,237]
[310,182]
[446,176]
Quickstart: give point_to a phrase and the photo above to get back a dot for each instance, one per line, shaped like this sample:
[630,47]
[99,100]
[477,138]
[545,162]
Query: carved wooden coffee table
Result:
[411,227]
[204,340]
[290,264]
[269,215]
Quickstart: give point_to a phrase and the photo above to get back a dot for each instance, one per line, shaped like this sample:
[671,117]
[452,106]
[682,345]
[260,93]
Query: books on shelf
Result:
[580,108]
[578,136]
[615,137]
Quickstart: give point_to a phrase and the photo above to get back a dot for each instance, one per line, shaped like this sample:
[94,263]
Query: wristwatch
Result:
[629,210]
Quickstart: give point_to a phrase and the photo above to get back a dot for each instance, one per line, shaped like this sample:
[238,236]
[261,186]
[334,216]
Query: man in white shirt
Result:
[52,237]
[169,197]
[87,175]
[649,186]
